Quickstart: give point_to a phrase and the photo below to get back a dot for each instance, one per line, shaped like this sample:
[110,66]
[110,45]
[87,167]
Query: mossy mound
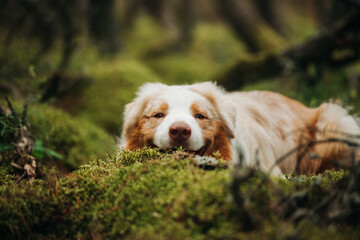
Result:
[148,195]
[180,69]
[114,83]
[77,140]
[212,46]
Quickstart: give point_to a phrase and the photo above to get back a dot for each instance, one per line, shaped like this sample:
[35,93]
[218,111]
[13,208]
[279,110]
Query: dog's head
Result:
[196,117]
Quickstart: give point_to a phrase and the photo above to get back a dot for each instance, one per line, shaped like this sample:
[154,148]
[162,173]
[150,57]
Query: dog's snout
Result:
[179,131]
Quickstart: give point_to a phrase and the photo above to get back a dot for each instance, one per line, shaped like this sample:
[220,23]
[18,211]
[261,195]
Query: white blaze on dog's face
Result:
[172,116]
[179,125]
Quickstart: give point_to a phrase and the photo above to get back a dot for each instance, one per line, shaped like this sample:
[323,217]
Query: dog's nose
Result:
[179,131]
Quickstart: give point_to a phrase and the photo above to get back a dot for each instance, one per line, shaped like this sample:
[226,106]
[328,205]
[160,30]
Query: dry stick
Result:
[312,142]
[353,158]
[266,175]
[317,130]
[15,165]
[24,143]
[301,155]
[281,159]
[24,113]
[21,177]
[303,149]
[12,109]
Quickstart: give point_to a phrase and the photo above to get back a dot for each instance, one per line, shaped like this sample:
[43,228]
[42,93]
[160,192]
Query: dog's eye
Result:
[158,115]
[200,116]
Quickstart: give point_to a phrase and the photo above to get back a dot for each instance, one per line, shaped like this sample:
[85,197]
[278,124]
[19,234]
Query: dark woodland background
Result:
[87,57]
[68,67]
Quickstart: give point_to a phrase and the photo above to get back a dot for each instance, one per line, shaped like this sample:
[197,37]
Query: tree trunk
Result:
[270,11]
[248,25]
[103,28]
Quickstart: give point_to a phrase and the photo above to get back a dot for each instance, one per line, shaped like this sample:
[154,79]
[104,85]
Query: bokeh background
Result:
[80,61]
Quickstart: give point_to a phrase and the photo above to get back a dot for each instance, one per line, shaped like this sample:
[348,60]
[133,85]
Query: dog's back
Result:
[270,125]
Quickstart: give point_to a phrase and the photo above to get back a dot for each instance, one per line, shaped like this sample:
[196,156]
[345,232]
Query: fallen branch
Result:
[335,47]
[303,149]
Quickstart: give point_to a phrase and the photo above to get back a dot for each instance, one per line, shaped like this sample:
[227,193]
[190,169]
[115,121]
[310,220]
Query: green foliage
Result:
[145,35]
[20,67]
[9,125]
[216,43]
[41,152]
[212,47]
[114,84]
[60,138]
[77,140]
[180,69]
[146,194]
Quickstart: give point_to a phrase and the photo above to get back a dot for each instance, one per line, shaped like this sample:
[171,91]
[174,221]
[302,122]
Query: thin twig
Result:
[310,144]
[12,109]
[21,177]
[24,113]
[16,166]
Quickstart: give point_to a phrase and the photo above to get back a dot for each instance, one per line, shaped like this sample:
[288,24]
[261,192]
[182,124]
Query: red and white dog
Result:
[260,126]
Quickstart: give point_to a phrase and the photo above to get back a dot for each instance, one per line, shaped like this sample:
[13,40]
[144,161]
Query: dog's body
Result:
[257,126]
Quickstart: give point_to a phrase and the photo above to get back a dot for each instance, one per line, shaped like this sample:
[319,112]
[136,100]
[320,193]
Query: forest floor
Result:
[87,188]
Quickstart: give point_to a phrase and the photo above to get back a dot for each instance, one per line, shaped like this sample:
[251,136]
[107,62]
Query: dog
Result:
[256,128]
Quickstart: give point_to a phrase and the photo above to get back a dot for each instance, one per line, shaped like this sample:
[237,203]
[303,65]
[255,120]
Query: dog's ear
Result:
[225,108]
[228,116]
[134,110]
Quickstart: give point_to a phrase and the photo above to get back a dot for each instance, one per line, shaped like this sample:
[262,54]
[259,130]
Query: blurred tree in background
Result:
[87,57]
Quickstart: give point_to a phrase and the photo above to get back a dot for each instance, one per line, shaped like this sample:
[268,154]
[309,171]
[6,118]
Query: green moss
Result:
[182,69]
[213,46]
[17,64]
[144,194]
[143,36]
[6,172]
[216,43]
[114,84]
[268,40]
[114,198]
[76,140]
